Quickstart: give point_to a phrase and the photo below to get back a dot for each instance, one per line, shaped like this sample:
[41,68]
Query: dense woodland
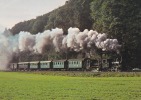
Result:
[120,19]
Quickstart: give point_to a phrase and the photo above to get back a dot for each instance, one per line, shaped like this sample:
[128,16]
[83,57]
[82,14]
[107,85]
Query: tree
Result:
[121,19]
[75,13]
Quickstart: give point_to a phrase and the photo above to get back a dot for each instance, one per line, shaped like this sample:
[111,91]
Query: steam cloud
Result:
[53,39]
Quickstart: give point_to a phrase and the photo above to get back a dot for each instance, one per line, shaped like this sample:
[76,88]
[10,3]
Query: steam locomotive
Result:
[67,65]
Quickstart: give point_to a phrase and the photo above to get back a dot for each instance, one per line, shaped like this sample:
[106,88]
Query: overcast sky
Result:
[14,11]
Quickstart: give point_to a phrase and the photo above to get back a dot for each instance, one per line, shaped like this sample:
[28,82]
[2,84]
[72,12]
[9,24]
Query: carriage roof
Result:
[34,62]
[45,61]
[23,62]
[60,60]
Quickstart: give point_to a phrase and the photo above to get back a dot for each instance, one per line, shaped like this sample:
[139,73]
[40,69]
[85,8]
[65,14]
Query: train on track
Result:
[67,65]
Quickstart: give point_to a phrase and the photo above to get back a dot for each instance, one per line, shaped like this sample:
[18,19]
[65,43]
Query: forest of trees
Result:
[120,19]
[75,13]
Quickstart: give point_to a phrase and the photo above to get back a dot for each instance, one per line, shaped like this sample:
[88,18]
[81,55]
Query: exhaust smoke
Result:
[53,39]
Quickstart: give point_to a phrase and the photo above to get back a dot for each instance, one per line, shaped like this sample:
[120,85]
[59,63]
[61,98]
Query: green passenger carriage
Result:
[34,65]
[78,64]
[45,65]
[60,64]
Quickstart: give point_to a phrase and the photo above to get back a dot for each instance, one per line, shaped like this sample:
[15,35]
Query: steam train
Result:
[67,65]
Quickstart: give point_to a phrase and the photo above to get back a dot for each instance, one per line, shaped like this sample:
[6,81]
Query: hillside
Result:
[75,13]
[120,19]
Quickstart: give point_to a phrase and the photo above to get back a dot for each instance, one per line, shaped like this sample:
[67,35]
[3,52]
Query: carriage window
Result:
[77,62]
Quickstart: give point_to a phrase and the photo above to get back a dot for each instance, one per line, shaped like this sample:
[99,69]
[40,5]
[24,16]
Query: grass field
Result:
[25,86]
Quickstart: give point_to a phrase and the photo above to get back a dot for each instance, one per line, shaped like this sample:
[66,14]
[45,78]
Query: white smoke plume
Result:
[26,41]
[78,41]
[8,46]
[53,39]
[49,39]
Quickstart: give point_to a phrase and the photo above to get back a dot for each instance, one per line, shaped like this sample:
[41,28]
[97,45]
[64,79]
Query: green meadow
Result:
[31,86]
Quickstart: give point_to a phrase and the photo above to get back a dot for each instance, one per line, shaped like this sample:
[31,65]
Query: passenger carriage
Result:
[23,66]
[46,65]
[79,64]
[35,65]
[60,64]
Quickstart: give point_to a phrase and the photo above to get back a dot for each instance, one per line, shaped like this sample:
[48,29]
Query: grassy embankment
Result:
[87,73]
[24,86]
